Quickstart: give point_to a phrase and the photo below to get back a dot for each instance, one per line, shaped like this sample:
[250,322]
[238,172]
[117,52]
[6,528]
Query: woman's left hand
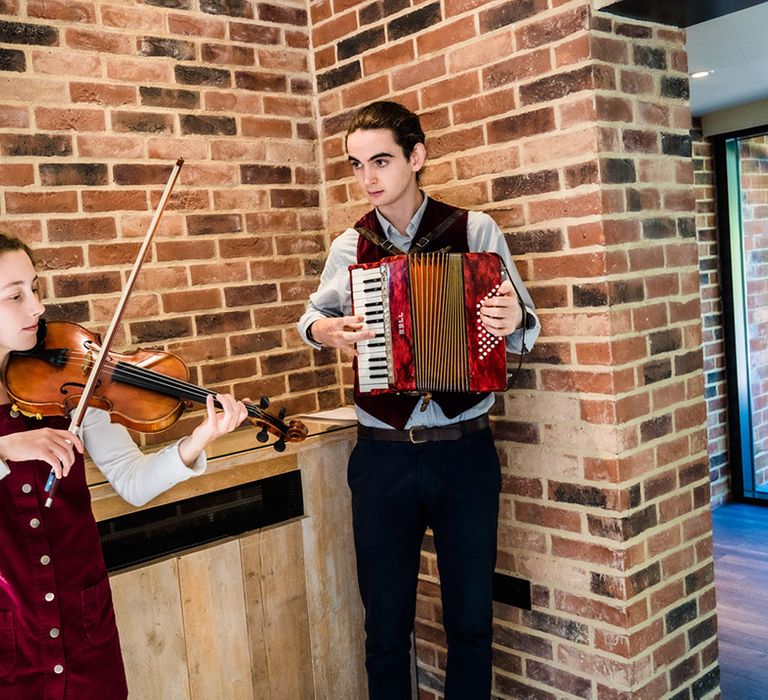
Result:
[216,424]
[501,314]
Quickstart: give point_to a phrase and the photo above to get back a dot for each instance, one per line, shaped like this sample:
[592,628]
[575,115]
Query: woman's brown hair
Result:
[9,243]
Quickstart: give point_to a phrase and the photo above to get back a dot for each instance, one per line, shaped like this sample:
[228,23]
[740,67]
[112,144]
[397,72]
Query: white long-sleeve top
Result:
[135,476]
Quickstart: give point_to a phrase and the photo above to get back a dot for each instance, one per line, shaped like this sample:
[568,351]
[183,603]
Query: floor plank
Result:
[741,583]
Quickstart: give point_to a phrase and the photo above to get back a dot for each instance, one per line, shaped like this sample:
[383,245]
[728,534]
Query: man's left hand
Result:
[501,314]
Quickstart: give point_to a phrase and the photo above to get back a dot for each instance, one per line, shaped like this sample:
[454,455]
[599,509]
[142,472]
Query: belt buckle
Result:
[412,436]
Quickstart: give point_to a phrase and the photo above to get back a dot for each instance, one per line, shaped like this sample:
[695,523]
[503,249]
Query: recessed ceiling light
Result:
[701,73]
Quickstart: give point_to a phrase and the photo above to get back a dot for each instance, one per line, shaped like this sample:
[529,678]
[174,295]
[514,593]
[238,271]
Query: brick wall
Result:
[572,129]
[712,318]
[97,101]
[753,160]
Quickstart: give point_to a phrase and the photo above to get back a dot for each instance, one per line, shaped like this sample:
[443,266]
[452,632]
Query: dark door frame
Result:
[740,445]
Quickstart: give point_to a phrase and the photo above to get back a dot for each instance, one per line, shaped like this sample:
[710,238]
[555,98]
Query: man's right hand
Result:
[341,333]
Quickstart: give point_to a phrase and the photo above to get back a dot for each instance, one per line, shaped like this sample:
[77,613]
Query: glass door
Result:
[747,210]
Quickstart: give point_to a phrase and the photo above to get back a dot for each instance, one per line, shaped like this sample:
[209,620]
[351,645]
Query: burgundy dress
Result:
[58,637]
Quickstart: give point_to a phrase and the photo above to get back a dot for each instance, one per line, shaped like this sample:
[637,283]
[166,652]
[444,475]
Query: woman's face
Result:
[20,307]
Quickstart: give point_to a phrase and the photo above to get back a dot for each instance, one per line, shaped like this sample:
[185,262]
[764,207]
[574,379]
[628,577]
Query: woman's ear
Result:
[418,157]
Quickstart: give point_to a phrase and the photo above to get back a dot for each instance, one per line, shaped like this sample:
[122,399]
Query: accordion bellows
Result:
[425,310]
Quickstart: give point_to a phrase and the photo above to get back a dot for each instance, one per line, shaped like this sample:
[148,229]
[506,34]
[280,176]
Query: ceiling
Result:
[735,47]
[728,37]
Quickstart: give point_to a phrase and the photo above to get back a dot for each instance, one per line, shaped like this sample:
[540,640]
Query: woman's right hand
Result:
[56,447]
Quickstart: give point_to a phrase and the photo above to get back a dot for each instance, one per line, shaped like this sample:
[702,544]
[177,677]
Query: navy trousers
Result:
[398,490]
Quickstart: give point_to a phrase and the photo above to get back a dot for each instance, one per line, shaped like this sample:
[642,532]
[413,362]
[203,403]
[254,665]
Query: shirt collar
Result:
[393,234]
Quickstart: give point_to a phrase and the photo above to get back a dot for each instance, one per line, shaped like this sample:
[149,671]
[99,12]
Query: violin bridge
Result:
[87,363]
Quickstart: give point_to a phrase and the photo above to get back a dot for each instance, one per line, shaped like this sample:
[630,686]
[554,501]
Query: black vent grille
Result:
[171,528]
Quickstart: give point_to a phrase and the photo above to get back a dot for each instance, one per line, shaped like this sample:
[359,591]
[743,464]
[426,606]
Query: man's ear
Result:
[418,157]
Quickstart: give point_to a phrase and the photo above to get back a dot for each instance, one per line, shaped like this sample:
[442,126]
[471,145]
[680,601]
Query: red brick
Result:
[335,29]
[13,117]
[549,517]
[59,63]
[552,28]
[103,94]
[65,119]
[573,51]
[40,202]
[206,26]
[445,34]
[402,78]
[65,10]
[96,145]
[17,175]
[114,200]
[85,39]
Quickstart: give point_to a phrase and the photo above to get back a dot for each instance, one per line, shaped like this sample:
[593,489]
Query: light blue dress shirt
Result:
[333,299]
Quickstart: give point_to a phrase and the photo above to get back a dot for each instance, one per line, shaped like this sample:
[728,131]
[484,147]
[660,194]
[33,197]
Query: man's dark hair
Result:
[8,244]
[404,124]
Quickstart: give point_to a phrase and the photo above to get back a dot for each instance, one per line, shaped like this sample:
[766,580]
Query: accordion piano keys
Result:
[372,354]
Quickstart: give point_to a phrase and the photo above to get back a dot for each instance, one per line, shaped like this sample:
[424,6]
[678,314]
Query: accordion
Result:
[425,311]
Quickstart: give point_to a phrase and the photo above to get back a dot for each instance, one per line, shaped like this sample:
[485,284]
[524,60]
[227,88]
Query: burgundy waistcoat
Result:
[58,637]
[395,409]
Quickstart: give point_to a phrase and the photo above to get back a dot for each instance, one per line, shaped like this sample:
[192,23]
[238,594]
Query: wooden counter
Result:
[274,613]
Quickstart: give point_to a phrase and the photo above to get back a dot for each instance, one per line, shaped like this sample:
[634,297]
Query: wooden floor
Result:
[741,582]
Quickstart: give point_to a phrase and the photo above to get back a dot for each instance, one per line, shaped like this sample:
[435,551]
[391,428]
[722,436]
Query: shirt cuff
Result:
[303,329]
[181,471]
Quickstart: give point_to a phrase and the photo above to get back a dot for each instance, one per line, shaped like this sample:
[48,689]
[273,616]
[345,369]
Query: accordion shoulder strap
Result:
[389,247]
[383,243]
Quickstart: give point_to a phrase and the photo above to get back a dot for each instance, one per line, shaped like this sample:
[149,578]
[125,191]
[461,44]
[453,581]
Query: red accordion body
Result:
[425,310]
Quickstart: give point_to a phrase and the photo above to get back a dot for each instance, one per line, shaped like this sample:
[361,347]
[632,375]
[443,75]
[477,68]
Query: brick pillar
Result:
[715,383]
[572,128]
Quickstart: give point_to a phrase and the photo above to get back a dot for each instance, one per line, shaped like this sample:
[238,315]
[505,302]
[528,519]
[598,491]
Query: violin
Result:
[146,391]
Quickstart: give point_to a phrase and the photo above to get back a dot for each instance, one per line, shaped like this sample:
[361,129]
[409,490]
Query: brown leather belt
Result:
[418,433]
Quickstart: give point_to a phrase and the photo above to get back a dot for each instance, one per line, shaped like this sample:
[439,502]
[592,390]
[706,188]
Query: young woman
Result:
[58,637]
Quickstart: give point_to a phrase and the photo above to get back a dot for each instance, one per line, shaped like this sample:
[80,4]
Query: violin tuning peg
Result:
[263,402]
[279,445]
[262,435]
[281,414]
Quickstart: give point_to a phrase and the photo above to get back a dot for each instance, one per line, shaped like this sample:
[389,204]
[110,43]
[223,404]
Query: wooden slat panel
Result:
[148,609]
[335,611]
[276,604]
[213,602]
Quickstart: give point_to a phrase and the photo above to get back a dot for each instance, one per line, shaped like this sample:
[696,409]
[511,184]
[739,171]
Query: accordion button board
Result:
[425,312]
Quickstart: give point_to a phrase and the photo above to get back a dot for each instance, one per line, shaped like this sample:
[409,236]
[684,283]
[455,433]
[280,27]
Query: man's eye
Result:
[382,162]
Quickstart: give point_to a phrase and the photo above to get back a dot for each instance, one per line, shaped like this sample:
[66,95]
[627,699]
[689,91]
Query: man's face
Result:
[383,172]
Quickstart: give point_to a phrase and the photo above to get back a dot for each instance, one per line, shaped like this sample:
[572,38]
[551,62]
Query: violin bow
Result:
[77,416]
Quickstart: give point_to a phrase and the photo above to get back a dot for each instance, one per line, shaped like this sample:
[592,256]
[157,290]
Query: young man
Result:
[451,481]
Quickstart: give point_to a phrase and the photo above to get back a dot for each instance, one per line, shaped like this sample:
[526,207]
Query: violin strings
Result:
[162,383]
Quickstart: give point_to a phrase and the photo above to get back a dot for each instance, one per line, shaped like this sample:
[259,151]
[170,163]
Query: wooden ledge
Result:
[232,460]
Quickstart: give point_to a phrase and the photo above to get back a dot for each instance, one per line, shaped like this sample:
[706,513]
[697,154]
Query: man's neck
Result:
[401,213]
